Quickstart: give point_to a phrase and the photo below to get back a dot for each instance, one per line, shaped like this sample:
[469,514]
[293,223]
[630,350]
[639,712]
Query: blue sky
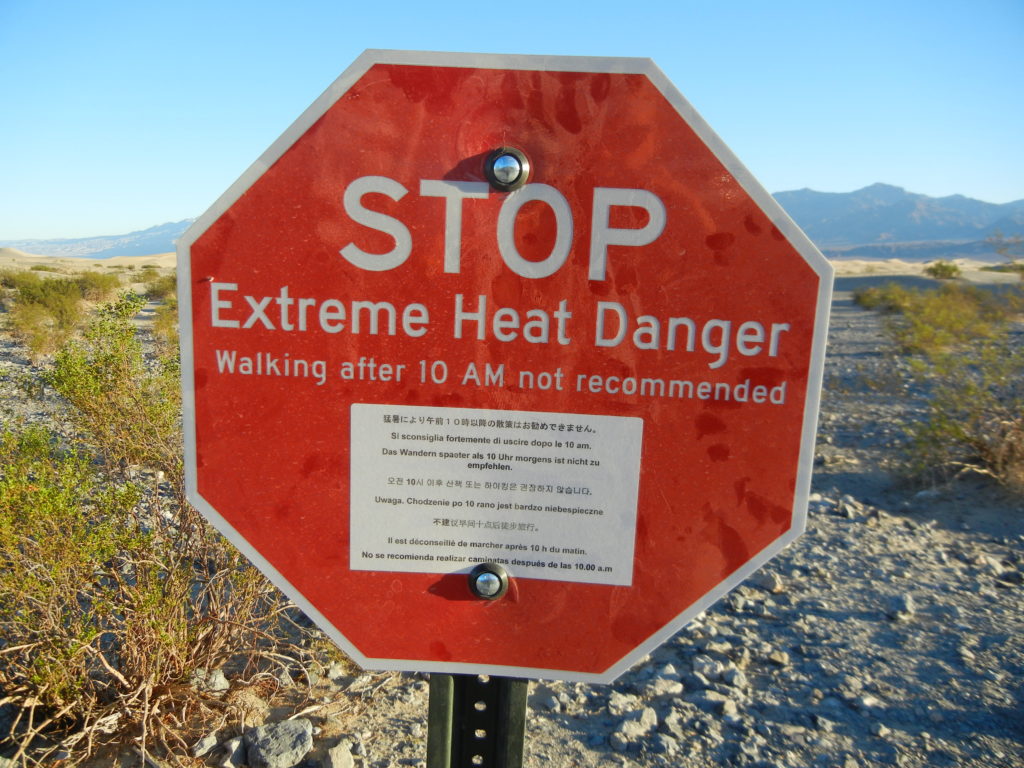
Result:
[115,116]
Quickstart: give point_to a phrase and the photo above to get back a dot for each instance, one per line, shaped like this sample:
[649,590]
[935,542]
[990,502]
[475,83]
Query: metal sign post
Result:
[476,721]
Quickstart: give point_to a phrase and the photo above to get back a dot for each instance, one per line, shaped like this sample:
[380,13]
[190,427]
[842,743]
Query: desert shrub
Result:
[942,270]
[1013,266]
[949,318]
[966,357]
[162,287]
[43,268]
[98,286]
[975,412]
[165,327]
[106,610]
[887,298]
[129,407]
[45,311]
[113,593]
[36,329]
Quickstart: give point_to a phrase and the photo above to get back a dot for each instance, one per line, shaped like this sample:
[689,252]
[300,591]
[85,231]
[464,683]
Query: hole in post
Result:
[480,706]
[480,733]
[483,679]
[477,760]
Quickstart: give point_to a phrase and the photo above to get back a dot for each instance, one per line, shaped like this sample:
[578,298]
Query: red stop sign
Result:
[595,361]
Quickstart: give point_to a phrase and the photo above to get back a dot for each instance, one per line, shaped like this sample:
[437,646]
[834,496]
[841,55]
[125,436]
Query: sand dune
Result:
[971,269]
[12,257]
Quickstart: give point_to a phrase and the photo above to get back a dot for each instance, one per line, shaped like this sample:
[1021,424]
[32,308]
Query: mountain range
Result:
[880,221]
[883,221]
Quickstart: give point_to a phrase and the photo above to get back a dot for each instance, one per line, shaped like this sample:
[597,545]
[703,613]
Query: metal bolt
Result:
[488,581]
[506,168]
[488,585]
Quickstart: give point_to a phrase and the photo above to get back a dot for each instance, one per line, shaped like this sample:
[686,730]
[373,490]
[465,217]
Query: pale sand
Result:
[10,257]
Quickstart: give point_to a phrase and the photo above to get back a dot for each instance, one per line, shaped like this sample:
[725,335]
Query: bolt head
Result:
[488,584]
[507,169]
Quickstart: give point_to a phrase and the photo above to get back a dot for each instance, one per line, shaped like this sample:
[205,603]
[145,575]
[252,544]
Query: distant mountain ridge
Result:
[884,214]
[144,242]
[877,222]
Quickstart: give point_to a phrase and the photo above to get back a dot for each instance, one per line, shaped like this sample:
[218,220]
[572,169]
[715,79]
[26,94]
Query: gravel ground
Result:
[889,634]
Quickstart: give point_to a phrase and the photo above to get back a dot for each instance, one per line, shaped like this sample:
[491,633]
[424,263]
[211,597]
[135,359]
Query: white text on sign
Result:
[479,319]
[455,193]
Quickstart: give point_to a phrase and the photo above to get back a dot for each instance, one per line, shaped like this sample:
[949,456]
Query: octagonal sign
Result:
[526,311]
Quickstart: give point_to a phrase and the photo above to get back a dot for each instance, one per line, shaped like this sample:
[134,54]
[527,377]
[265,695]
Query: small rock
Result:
[735,678]
[880,730]
[211,681]
[851,683]
[769,581]
[339,756]
[670,671]
[279,745]
[639,724]
[867,702]
[824,724]
[718,647]
[779,658]
[674,726]
[663,744]
[618,742]
[663,687]
[235,753]
[901,607]
[705,665]
[621,703]
[848,507]
[205,745]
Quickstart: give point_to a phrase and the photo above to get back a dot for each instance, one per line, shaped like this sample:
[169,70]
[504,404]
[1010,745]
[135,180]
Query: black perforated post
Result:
[476,721]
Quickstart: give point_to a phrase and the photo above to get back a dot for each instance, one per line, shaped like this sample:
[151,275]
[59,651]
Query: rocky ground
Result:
[889,634]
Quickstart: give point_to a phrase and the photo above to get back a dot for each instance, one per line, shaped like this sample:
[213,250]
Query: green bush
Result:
[967,361]
[949,318]
[98,286]
[162,287]
[37,329]
[1013,266]
[165,327]
[942,270]
[113,592]
[129,409]
[106,610]
[975,412]
[888,298]
[46,310]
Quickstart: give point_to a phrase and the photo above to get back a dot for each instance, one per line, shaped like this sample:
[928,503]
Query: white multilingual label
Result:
[547,495]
